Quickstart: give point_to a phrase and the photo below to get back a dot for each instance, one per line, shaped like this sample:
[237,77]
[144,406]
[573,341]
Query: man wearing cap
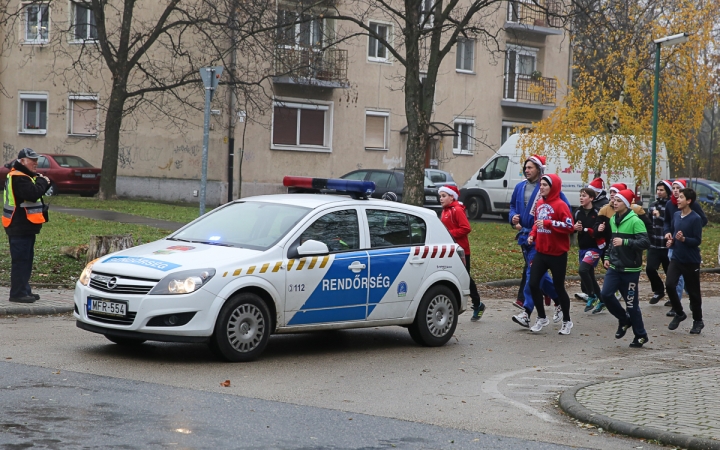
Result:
[24,212]
[522,217]
[623,262]
[657,254]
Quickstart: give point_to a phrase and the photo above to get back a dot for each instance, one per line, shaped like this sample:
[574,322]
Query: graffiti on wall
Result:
[8,152]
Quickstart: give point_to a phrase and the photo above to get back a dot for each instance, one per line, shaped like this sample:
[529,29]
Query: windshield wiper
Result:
[178,239]
[221,244]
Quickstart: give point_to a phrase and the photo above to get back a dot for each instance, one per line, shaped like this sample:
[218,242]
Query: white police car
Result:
[281,264]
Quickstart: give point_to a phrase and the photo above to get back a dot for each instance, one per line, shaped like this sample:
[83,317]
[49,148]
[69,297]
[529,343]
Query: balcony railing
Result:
[311,66]
[543,19]
[525,91]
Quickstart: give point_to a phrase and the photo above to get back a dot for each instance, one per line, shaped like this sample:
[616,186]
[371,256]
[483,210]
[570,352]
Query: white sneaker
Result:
[566,327]
[557,317]
[581,296]
[539,324]
[522,319]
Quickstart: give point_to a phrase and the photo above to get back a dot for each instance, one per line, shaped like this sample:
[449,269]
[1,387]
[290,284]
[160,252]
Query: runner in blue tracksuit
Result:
[522,217]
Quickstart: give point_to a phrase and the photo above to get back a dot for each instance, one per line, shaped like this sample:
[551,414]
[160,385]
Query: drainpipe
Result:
[231,103]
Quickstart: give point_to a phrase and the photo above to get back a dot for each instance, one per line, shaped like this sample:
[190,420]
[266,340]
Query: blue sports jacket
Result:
[517,206]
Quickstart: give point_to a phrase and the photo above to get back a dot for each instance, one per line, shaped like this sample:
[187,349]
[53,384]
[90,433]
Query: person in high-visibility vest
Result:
[24,212]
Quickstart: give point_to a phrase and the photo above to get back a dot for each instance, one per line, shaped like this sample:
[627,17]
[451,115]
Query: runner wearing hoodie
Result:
[601,199]
[591,248]
[454,218]
[623,261]
[551,235]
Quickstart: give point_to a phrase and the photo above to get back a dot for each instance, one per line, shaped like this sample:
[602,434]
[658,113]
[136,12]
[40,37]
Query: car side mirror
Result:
[308,248]
[711,196]
[481,175]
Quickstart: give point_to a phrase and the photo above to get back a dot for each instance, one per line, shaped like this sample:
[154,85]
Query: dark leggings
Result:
[691,273]
[657,257]
[474,294]
[587,276]
[557,265]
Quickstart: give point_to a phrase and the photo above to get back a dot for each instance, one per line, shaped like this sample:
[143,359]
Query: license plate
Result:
[108,307]
[88,175]
[430,198]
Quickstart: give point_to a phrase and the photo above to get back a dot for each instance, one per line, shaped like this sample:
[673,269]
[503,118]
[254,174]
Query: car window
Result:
[390,228]
[395,181]
[253,225]
[71,161]
[359,175]
[338,230]
[381,179]
[437,177]
[43,163]
[702,190]
[497,168]
[428,182]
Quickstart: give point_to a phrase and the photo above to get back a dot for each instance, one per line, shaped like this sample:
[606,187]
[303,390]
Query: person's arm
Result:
[667,222]
[698,209]
[640,239]
[25,190]
[463,225]
[564,223]
[696,239]
[513,199]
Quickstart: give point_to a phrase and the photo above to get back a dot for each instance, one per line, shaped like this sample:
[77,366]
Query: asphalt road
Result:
[493,379]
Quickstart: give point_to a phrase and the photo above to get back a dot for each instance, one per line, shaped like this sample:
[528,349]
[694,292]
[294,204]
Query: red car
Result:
[69,174]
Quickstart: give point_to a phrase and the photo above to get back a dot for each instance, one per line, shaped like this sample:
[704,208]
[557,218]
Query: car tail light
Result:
[78,174]
[461,254]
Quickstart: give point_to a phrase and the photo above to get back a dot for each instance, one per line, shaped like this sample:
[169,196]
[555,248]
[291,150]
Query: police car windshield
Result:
[253,225]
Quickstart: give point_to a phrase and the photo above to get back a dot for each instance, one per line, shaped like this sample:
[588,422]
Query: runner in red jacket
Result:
[454,218]
[551,234]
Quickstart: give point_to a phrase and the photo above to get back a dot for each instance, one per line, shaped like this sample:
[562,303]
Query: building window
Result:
[33,108]
[302,126]
[376,50]
[299,30]
[463,139]
[465,56]
[84,27]
[510,128]
[37,23]
[427,15]
[376,130]
[83,114]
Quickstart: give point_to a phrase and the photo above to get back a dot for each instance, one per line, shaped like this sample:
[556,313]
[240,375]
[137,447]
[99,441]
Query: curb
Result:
[575,409]
[35,310]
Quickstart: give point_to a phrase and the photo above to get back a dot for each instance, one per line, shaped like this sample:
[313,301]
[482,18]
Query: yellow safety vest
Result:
[33,210]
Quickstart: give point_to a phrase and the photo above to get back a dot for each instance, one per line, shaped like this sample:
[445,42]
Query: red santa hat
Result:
[538,160]
[626,195]
[617,187]
[452,191]
[597,185]
[681,183]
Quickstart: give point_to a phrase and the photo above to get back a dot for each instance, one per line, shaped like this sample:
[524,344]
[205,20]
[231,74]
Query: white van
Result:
[490,189]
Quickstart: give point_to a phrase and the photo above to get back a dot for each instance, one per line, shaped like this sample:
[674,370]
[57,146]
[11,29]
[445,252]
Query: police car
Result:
[281,264]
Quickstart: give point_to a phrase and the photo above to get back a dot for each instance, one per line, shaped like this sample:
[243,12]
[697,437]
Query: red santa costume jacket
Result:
[455,220]
[553,237]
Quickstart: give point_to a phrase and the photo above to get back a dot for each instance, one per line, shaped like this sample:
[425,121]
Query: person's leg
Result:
[529,304]
[632,302]
[558,267]
[539,269]
[654,259]
[21,254]
[584,286]
[611,284]
[523,281]
[680,287]
[691,273]
[671,284]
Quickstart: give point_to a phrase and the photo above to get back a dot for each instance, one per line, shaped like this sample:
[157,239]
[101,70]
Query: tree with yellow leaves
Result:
[604,126]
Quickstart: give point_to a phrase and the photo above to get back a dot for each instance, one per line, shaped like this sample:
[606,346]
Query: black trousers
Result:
[474,294]
[589,284]
[22,253]
[523,281]
[691,273]
[657,257]
[557,265]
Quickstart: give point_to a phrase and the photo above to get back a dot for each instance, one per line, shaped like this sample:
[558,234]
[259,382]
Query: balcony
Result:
[523,91]
[309,66]
[526,16]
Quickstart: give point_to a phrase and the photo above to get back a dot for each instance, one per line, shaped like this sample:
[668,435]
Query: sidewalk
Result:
[676,408]
[52,301]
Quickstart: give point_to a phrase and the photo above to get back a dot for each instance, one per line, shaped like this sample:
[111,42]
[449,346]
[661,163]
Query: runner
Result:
[623,261]
[684,238]
[657,254]
[590,247]
[552,230]
[599,200]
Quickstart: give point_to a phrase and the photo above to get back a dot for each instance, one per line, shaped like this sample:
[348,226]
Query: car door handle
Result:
[504,183]
[356,266]
[417,261]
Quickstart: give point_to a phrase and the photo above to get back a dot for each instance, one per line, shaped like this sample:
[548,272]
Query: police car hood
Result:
[157,259]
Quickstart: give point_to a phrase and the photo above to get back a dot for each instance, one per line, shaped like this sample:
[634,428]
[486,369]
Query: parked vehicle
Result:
[440,177]
[70,174]
[490,189]
[389,185]
[708,191]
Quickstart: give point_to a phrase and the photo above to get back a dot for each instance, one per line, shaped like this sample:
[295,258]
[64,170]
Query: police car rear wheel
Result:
[436,317]
[242,329]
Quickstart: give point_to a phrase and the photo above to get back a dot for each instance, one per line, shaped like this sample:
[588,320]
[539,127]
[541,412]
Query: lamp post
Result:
[667,40]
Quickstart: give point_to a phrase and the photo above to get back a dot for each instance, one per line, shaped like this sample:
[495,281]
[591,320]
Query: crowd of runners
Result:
[611,229]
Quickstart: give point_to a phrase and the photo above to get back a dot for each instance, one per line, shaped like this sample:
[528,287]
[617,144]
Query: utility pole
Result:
[210,77]
[231,101]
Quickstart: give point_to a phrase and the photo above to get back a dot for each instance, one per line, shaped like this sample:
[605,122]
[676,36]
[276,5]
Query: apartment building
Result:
[343,111]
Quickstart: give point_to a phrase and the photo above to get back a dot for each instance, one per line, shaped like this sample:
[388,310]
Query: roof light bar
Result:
[357,187]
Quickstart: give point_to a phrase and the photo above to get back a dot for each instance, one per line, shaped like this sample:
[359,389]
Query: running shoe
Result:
[639,341]
[539,324]
[600,307]
[676,321]
[581,296]
[622,329]
[670,313]
[697,327]
[478,312]
[590,303]
[656,298]
[522,319]
[668,303]
[519,304]
[558,315]
[566,327]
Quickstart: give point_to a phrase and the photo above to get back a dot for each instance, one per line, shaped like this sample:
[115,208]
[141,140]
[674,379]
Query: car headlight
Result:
[183,282]
[85,275]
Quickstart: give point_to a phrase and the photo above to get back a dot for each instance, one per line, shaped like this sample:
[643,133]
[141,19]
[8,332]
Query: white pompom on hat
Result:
[452,191]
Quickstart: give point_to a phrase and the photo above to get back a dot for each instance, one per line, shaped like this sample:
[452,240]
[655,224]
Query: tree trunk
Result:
[102,245]
[111,147]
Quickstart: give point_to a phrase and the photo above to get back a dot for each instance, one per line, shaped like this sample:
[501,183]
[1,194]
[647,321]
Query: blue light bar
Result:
[364,188]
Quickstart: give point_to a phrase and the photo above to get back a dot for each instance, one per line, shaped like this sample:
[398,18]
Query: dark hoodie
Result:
[553,238]
[600,200]
[25,191]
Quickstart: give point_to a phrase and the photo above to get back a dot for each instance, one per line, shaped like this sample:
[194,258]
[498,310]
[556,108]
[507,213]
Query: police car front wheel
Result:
[436,317]
[242,329]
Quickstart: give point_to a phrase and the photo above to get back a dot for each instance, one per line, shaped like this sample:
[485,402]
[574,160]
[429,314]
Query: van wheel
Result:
[436,317]
[475,208]
[242,329]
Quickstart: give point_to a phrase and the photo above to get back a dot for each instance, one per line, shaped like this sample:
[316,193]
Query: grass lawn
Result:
[495,254]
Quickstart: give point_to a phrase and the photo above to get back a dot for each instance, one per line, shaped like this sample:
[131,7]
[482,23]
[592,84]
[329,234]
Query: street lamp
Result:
[667,40]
